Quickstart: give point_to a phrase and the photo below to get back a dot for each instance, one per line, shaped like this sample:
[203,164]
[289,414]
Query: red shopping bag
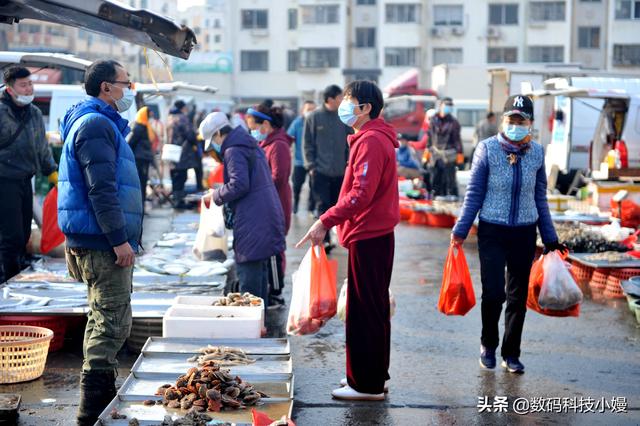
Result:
[52,236]
[536,279]
[324,294]
[456,294]
[262,419]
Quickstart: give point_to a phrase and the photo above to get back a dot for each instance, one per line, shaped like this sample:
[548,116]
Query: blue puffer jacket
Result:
[506,194]
[99,201]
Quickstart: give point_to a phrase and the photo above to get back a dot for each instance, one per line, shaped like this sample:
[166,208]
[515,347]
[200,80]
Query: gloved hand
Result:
[549,247]
[426,156]
[460,159]
[53,178]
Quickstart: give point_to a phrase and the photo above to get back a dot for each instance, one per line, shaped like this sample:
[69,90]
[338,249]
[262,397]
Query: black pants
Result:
[513,247]
[178,179]
[199,177]
[276,274]
[444,179]
[143,174]
[298,178]
[16,199]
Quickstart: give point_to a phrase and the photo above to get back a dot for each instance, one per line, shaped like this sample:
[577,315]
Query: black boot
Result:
[97,390]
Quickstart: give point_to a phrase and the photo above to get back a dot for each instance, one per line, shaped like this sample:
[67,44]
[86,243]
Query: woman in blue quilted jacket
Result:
[508,188]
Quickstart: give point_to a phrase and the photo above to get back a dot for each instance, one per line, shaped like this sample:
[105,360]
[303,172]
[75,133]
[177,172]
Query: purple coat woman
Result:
[258,229]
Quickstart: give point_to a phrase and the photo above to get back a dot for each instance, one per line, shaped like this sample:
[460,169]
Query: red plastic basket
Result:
[598,282]
[418,218]
[54,323]
[582,273]
[613,290]
[440,220]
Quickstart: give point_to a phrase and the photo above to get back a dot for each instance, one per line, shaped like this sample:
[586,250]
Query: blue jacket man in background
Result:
[299,172]
[100,213]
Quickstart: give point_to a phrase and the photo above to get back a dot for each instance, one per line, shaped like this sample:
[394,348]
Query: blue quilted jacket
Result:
[99,199]
[507,194]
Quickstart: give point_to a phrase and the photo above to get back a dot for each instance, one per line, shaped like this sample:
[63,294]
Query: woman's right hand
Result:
[456,241]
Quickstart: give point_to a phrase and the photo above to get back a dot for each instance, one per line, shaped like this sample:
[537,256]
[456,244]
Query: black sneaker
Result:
[487,358]
[513,365]
[275,302]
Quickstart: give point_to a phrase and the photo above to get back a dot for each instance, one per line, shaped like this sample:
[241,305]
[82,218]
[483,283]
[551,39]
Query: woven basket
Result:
[23,352]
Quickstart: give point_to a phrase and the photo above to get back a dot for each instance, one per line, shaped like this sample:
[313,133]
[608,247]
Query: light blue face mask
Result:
[447,109]
[257,135]
[515,132]
[346,114]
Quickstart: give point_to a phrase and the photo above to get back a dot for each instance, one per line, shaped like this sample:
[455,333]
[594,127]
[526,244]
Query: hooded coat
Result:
[258,230]
[368,205]
[277,148]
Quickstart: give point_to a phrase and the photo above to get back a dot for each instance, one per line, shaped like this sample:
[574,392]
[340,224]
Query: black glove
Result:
[549,247]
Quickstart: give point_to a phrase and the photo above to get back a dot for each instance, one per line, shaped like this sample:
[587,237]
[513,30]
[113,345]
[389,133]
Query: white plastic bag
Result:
[300,321]
[342,302]
[559,290]
[211,239]
[211,220]
[171,153]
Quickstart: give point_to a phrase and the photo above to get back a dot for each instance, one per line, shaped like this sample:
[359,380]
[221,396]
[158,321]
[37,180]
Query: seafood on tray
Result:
[209,388]
[222,355]
[609,256]
[237,299]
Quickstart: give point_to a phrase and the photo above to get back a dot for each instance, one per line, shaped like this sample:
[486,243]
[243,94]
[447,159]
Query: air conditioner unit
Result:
[457,31]
[437,32]
[260,32]
[493,32]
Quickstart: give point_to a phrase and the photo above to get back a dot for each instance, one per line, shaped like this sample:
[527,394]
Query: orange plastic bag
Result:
[535,284]
[262,419]
[52,236]
[324,293]
[456,294]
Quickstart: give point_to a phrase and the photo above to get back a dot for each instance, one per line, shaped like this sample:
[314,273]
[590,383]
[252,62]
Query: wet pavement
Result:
[435,377]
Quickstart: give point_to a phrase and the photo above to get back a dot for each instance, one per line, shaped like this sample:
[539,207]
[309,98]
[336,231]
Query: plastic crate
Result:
[418,218]
[23,352]
[582,273]
[440,220]
[613,290]
[207,322]
[57,324]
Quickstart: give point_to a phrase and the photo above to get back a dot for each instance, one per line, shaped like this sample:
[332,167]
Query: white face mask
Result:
[125,102]
[24,99]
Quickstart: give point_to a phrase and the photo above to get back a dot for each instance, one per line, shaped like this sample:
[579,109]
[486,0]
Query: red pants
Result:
[368,321]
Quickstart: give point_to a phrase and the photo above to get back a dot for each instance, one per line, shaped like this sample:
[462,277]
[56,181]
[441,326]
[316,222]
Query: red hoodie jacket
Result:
[277,148]
[368,205]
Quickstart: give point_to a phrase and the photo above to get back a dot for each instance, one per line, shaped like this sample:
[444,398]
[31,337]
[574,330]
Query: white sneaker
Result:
[349,394]
[344,383]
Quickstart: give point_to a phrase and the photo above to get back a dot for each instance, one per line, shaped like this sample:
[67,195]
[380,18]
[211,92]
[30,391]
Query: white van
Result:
[469,112]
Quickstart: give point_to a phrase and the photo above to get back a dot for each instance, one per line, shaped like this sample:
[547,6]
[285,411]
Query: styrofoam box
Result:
[208,301]
[201,321]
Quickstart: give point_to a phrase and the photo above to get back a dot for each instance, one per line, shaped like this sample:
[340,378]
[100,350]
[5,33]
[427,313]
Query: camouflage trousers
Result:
[109,295]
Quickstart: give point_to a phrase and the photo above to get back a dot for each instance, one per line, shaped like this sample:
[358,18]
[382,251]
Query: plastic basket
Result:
[418,218]
[23,352]
[582,273]
[441,220]
[57,324]
[613,290]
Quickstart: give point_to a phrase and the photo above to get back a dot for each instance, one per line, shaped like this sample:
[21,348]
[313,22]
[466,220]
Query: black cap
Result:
[179,104]
[519,105]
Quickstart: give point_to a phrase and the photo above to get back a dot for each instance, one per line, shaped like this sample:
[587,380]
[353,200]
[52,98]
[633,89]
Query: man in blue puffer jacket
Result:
[100,213]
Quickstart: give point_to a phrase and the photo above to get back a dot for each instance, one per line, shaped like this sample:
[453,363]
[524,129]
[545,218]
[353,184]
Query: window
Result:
[542,11]
[56,31]
[365,37]
[447,15]
[366,2]
[320,58]
[254,60]
[254,19]
[316,15]
[403,13]
[144,4]
[293,19]
[546,54]
[293,60]
[217,38]
[626,54]
[447,56]
[401,56]
[216,23]
[627,9]
[503,14]
[502,55]
[589,37]
[30,28]
[468,117]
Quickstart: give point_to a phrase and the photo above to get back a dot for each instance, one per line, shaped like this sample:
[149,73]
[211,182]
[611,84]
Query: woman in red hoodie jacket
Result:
[276,143]
[366,215]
